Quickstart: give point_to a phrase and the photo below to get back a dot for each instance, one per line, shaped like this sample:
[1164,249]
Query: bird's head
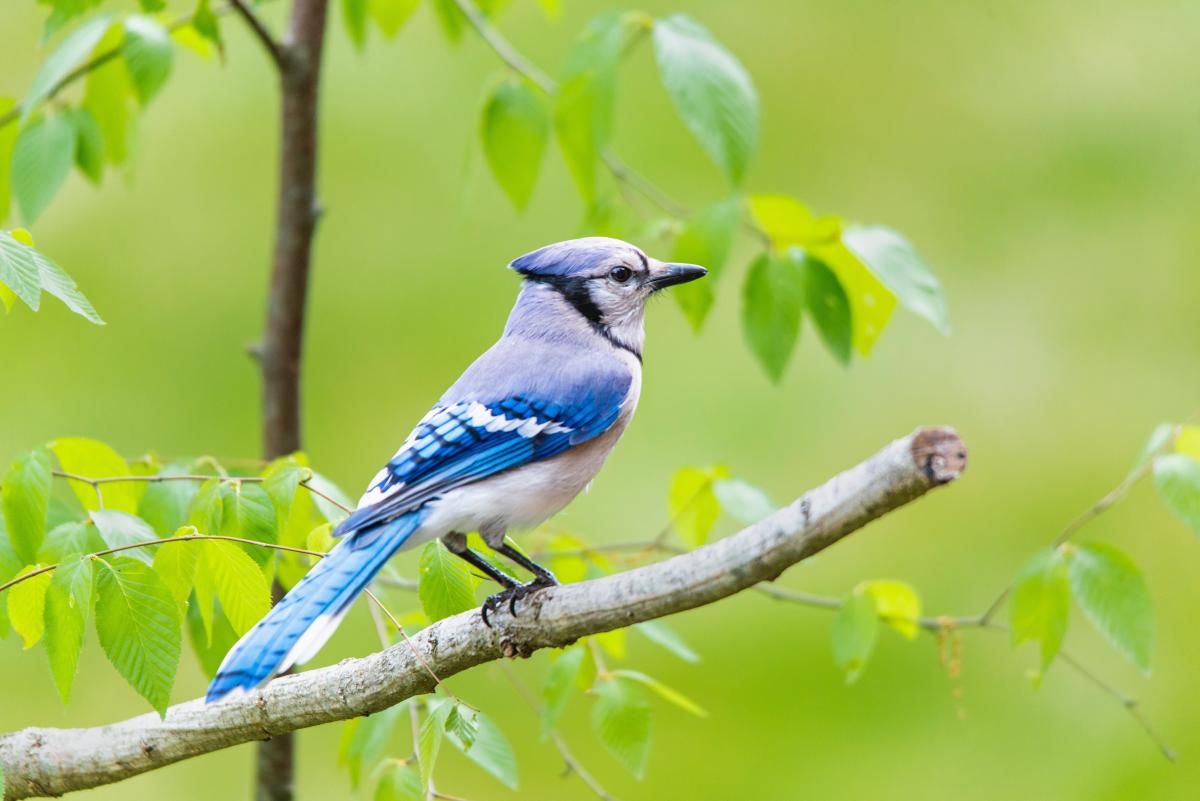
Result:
[606,280]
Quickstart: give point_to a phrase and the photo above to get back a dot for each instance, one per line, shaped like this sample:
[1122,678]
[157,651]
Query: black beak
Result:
[673,274]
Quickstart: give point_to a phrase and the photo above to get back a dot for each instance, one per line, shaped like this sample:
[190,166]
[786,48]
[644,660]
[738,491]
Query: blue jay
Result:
[517,437]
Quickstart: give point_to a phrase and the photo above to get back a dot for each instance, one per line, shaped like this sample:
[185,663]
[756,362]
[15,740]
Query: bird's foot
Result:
[512,595]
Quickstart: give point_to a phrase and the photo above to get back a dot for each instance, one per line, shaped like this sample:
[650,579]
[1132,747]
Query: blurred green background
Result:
[1042,156]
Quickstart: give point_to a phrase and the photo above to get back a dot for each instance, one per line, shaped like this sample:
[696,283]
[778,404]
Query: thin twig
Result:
[420,658]
[270,44]
[573,764]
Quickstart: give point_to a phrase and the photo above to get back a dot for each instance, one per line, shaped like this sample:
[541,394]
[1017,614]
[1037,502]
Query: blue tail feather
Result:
[325,592]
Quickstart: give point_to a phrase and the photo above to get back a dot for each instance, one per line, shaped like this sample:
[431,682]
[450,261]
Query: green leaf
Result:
[706,239]
[207,507]
[1041,604]
[399,781]
[106,95]
[1159,438]
[120,528]
[429,741]
[247,512]
[489,749]
[364,740]
[785,220]
[41,161]
[449,18]
[660,633]
[583,105]
[514,128]
[354,17]
[19,272]
[175,563]
[668,694]
[691,504]
[445,583]
[68,604]
[93,459]
[742,500]
[558,686]
[896,604]
[711,91]
[89,143]
[212,644]
[1188,441]
[73,49]
[164,504]
[390,15]
[148,53]
[208,25]
[894,260]
[772,302]
[27,607]
[8,138]
[332,510]
[281,482]
[621,721]
[25,492]
[871,302]
[69,539]
[227,571]
[137,621]
[462,724]
[855,629]
[1177,479]
[828,307]
[1112,593]
[55,281]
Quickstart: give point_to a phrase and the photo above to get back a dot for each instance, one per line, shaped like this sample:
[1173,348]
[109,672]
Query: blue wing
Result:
[463,442]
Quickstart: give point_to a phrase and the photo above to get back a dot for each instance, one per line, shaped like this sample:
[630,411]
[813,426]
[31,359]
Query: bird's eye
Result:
[620,274]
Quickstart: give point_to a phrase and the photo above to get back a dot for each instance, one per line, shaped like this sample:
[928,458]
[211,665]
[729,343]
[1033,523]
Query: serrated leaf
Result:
[1110,590]
[56,281]
[1040,605]
[228,572]
[1177,479]
[558,686]
[164,505]
[212,644]
[70,539]
[89,143]
[281,482]
[691,504]
[445,582]
[148,54]
[489,749]
[895,262]
[207,508]
[137,621]
[19,272]
[514,127]
[8,138]
[742,500]
[871,302]
[706,239]
[120,529]
[668,694]
[828,308]
[711,91]
[855,630]
[429,741]
[73,49]
[106,95]
[175,563]
[93,459]
[621,721]
[896,603]
[68,604]
[247,512]
[583,105]
[772,303]
[25,496]
[399,781]
[657,631]
[26,603]
[41,161]
[390,15]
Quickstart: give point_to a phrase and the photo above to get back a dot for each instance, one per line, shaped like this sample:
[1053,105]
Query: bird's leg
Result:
[456,543]
[542,577]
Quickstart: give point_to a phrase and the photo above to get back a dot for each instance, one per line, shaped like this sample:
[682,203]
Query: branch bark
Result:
[50,762]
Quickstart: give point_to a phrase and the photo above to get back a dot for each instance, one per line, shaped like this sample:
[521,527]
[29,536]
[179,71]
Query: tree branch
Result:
[47,762]
[259,28]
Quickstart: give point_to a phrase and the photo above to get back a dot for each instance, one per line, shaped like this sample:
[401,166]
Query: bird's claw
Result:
[512,595]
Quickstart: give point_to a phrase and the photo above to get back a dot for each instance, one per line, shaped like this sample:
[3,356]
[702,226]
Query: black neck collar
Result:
[576,293]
